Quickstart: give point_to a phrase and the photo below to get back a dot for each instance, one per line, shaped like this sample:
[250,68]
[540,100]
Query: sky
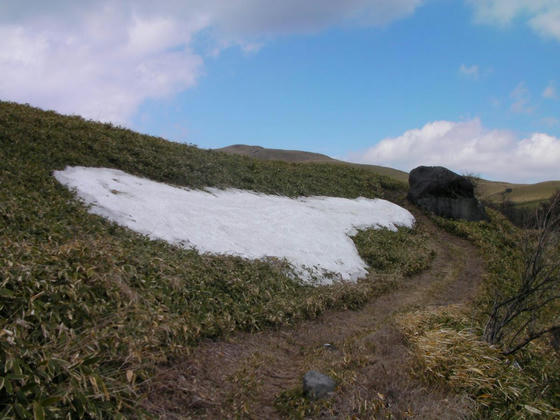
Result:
[473,85]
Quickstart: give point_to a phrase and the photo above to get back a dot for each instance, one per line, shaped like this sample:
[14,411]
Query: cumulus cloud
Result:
[101,67]
[543,16]
[469,71]
[549,92]
[469,147]
[102,59]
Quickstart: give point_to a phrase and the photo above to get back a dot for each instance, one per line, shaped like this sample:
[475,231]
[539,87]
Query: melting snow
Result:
[312,233]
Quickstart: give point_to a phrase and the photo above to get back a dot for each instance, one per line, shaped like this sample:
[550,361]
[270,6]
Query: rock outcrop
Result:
[444,193]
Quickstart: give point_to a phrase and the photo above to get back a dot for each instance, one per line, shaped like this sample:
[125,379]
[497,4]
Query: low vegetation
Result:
[530,310]
[450,353]
[390,252]
[449,345]
[89,308]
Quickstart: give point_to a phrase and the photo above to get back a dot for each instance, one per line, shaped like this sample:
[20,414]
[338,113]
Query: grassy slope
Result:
[522,194]
[89,307]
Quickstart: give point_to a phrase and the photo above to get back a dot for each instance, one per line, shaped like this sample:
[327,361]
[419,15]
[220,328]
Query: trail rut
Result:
[241,376]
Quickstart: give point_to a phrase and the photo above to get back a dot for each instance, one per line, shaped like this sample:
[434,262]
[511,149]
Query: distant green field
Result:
[520,194]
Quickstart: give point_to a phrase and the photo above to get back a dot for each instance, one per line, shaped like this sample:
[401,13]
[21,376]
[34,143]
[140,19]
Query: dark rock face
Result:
[317,385]
[444,193]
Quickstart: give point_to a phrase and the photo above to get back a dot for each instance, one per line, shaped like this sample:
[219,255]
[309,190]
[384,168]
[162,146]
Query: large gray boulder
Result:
[317,385]
[444,193]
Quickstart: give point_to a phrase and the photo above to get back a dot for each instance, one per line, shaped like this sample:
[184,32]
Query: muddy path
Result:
[242,376]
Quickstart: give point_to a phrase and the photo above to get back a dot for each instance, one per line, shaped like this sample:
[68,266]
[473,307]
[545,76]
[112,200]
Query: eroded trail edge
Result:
[244,375]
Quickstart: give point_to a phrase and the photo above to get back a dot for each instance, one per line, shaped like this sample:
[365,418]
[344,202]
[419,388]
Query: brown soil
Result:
[242,376]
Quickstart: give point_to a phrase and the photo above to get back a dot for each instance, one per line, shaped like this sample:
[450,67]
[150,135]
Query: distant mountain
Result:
[299,156]
[496,191]
[262,153]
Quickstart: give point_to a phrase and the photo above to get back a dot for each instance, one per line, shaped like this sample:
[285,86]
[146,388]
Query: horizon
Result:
[469,85]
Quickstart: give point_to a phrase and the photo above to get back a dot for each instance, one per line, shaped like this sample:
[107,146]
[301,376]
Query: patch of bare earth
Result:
[242,376]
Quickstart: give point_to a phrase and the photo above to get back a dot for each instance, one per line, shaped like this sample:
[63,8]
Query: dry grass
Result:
[448,352]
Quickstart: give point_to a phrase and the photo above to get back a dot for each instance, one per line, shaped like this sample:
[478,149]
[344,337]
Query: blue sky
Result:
[472,85]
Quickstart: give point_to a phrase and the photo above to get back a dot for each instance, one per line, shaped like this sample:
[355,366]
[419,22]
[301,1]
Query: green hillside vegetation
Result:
[90,308]
[387,251]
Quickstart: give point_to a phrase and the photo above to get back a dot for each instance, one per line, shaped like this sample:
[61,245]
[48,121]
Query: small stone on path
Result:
[317,385]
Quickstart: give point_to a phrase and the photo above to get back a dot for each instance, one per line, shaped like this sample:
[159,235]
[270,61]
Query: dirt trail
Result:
[240,377]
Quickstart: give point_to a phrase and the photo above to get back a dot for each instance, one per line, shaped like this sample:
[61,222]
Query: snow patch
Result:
[312,233]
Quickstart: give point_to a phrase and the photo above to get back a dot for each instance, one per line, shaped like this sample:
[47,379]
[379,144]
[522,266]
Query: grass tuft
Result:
[449,352]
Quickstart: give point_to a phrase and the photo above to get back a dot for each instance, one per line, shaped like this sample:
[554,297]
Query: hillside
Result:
[495,191]
[90,308]
[99,321]
[262,153]
[259,152]
[519,194]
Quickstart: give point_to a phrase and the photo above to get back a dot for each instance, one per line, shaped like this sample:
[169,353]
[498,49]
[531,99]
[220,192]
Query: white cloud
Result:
[549,92]
[103,68]
[521,98]
[543,16]
[102,59]
[469,147]
[547,24]
[469,71]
